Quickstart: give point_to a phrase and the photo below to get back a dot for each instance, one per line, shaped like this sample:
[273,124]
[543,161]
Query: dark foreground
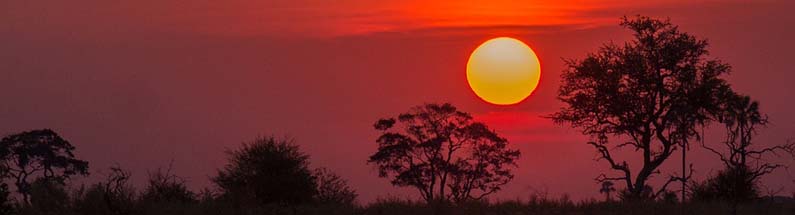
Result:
[400,207]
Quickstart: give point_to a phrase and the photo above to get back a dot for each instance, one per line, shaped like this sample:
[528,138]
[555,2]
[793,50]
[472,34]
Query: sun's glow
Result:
[503,71]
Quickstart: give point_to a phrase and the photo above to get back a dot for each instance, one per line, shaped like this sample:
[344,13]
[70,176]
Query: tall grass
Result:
[398,206]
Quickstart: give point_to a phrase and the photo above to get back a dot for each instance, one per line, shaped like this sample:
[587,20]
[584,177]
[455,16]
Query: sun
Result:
[503,71]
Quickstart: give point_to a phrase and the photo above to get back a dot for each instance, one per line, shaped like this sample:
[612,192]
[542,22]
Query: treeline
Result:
[272,176]
[264,176]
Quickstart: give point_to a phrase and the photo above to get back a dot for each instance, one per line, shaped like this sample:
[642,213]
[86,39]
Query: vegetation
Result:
[396,206]
[743,160]
[332,189]
[653,91]
[607,188]
[443,153]
[38,153]
[267,171]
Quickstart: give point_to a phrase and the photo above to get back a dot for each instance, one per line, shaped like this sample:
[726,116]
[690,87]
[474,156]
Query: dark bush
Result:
[730,185]
[267,171]
[333,190]
[48,197]
[6,206]
[114,196]
[166,193]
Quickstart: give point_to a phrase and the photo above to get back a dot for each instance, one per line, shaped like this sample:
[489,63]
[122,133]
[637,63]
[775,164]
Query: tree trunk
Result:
[684,170]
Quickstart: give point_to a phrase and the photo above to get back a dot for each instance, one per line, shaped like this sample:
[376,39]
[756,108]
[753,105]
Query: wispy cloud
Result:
[469,15]
[317,18]
[527,127]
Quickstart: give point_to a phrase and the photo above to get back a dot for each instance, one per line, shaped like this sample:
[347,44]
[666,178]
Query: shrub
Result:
[166,193]
[267,171]
[333,190]
[731,185]
[48,197]
[5,200]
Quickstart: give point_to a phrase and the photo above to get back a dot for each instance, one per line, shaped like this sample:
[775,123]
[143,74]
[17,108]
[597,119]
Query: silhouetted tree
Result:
[42,153]
[607,188]
[743,161]
[443,153]
[332,189]
[648,94]
[265,171]
[741,118]
[119,194]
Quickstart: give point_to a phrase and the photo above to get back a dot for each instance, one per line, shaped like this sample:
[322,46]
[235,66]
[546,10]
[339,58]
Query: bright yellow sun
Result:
[503,71]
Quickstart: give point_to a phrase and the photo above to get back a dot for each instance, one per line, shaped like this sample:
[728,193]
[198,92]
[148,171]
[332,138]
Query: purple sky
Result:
[145,83]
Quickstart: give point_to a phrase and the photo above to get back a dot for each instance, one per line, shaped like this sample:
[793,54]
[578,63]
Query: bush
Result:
[48,197]
[166,193]
[5,200]
[333,190]
[267,171]
[115,196]
[734,185]
[92,201]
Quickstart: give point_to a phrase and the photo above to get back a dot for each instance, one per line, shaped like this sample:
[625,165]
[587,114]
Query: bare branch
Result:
[673,178]
[720,155]
[789,148]
[602,178]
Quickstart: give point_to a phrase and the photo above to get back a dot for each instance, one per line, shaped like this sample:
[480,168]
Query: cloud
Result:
[527,127]
[310,18]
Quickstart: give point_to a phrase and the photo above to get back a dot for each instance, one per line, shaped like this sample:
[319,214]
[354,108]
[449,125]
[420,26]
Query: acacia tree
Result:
[443,153]
[35,154]
[647,95]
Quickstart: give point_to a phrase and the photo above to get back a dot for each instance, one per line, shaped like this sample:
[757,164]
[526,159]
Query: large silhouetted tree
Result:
[443,153]
[648,95]
[265,171]
[35,154]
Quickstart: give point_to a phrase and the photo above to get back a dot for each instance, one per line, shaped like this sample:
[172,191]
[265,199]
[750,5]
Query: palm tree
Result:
[607,188]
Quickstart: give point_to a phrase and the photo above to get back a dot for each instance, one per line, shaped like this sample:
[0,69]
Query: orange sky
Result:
[322,18]
[142,83]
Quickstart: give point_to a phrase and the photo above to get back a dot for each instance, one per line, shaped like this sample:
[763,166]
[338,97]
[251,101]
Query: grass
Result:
[396,206]
[539,206]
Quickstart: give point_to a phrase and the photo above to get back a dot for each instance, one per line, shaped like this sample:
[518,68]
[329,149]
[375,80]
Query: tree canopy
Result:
[35,154]
[443,153]
[648,94]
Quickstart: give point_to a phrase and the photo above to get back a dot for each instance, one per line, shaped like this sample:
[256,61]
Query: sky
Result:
[148,84]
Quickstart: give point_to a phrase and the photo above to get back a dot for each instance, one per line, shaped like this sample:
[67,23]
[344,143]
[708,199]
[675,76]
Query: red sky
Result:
[142,83]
